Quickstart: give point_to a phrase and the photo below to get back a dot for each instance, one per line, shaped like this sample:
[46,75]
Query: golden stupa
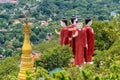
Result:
[26,61]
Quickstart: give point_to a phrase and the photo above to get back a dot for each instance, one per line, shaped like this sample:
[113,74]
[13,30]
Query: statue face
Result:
[90,23]
[62,24]
[75,21]
[79,25]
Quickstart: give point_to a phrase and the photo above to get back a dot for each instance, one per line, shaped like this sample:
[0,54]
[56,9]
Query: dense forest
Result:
[46,42]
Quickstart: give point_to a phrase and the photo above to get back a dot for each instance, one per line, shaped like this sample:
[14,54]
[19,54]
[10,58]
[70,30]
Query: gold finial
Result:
[26,13]
[26,27]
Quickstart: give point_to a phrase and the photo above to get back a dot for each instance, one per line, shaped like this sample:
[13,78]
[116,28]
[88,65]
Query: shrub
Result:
[58,56]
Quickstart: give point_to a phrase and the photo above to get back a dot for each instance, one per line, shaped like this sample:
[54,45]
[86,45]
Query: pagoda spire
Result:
[26,61]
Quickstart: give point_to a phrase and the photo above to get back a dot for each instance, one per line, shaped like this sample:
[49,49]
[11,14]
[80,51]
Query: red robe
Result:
[71,31]
[64,36]
[90,42]
[80,43]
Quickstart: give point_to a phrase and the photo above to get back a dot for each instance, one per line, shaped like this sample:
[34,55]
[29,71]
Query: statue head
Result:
[88,21]
[79,23]
[64,22]
[73,18]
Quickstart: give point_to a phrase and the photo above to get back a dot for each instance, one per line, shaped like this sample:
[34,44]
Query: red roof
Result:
[35,55]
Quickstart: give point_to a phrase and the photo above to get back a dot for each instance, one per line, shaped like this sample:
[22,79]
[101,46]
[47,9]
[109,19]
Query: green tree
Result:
[1,50]
[17,44]
[8,53]
[33,38]
[1,38]
[55,57]
[9,67]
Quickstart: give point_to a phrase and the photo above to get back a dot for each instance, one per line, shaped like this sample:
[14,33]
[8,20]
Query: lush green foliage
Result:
[55,57]
[99,9]
[105,34]
[12,40]
[9,67]
[46,45]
